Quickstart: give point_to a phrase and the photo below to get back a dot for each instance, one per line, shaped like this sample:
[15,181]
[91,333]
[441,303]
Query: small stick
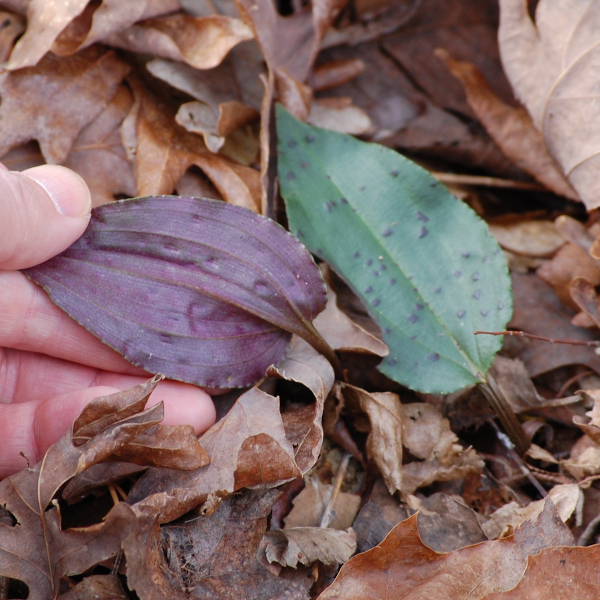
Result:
[543,338]
[487,181]
[329,514]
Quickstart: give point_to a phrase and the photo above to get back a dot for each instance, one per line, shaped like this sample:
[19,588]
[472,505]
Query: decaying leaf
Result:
[107,428]
[53,101]
[215,319]
[511,128]
[402,567]
[529,238]
[307,545]
[551,67]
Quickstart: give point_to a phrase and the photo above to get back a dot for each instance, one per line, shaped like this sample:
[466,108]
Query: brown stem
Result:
[543,338]
[318,342]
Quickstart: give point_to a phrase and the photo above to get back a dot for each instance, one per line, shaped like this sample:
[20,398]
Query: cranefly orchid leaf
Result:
[199,290]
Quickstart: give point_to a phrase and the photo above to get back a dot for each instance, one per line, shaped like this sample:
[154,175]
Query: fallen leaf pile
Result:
[326,481]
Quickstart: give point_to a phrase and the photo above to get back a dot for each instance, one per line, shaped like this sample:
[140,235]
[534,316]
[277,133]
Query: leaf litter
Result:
[145,98]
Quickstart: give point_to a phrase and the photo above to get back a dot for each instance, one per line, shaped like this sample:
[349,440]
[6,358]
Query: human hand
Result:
[50,366]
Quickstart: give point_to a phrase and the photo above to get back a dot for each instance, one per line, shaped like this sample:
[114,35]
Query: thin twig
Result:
[586,538]
[329,513]
[484,181]
[543,338]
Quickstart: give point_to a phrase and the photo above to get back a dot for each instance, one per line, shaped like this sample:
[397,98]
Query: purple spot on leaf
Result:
[343,201]
[461,313]
[458,274]
[368,262]
[368,290]
[413,337]
[466,254]
[310,138]
[299,233]
[419,306]
[422,217]
[477,294]
[376,302]
[433,184]
[495,251]
[392,282]
[362,188]
[392,361]
[394,173]
[434,357]
[485,312]
[387,331]
[387,232]
[291,176]
[424,232]
[328,207]
[485,258]
[413,318]
[292,144]
[438,290]
[376,273]
[475,277]
[500,305]
[304,165]
[356,254]
[382,268]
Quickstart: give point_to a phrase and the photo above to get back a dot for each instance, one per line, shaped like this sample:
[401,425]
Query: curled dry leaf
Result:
[384,442]
[551,66]
[108,427]
[511,128]
[201,42]
[507,518]
[36,103]
[247,448]
[584,295]
[164,150]
[402,567]
[307,545]
[529,238]
[165,281]
[427,435]
[304,428]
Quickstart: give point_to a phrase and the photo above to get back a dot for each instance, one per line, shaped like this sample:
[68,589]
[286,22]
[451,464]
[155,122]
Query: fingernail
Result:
[68,191]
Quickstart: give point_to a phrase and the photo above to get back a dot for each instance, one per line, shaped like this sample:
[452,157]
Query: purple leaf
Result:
[199,290]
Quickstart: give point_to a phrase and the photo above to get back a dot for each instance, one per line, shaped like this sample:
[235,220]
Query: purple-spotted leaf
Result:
[199,290]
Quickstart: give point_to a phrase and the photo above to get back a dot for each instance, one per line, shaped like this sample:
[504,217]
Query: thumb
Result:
[43,210]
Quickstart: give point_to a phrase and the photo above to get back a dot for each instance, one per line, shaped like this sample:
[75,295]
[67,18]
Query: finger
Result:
[29,320]
[28,429]
[43,210]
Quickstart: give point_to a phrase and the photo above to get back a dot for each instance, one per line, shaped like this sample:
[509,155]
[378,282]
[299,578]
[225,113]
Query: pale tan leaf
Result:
[530,238]
[552,67]
[306,545]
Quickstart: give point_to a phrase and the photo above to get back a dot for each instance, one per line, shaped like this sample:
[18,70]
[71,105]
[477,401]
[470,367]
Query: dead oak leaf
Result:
[164,150]
[53,101]
[35,549]
[402,567]
[98,154]
[201,42]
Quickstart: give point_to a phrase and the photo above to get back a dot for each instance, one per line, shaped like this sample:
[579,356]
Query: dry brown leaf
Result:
[559,573]
[427,435]
[539,311]
[106,428]
[202,42]
[55,100]
[403,567]
[99,587]
[570,262]
[551,66]
[507,518]
[339,114]
[12,27]
[446,524]
[584,295]
[310,503]
[98,154]
[529,238]
[247,448]
[384,442]
[377,517]
[163,151]
[512,378]
[214,556]
[303,427]
[342,333]
[511,128]
[307,545]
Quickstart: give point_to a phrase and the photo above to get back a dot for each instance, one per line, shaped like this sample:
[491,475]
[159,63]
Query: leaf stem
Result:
[543,338]
[506,414]
[318,342]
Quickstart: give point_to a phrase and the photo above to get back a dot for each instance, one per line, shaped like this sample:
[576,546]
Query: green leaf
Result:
[424,264]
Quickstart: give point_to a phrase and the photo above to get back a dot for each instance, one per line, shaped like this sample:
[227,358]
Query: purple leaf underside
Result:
[202,291]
